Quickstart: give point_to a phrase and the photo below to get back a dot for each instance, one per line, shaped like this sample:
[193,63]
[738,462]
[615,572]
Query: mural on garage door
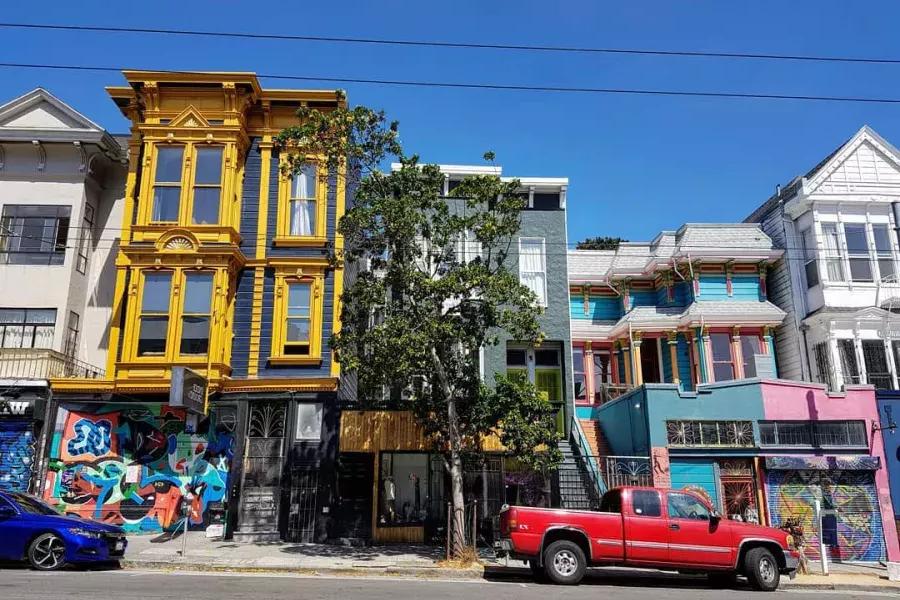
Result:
[131,465]
[16,454]
[855,533]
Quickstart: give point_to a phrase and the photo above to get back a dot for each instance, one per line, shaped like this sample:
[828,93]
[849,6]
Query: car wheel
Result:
[564,562]
[722,579]
[47,552]
[761,569]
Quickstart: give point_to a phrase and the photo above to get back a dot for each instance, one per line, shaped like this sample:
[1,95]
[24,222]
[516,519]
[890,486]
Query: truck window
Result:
[686,506]
[646,503]
[611,502]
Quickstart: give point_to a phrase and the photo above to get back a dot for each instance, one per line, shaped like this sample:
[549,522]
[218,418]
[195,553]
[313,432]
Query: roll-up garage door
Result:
[696,475]
[854,531]
[16,454]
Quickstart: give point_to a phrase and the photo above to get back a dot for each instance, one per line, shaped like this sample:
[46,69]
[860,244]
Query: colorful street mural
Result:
[852,527]
[133,464]
[16,454]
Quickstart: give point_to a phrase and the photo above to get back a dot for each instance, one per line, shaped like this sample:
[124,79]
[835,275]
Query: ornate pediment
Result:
[189,117]
[177,240]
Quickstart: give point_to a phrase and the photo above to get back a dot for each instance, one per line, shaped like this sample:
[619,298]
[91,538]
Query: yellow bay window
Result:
[297,324]
[187,185]
[302,199]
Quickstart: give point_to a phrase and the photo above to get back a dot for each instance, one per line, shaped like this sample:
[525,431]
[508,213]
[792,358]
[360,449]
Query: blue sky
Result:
[636,164]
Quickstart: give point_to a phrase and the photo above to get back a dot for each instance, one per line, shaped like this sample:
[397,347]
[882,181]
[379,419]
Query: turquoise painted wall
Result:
[600,308]
[643,298]
[743,287]
[624,424]
[666,359]
[684,363]
[695,473]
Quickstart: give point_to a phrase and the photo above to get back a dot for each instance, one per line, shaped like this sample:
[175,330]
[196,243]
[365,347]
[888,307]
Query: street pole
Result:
[822,553]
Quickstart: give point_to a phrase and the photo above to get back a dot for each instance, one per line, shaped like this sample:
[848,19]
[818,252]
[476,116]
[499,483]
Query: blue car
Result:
[31,530]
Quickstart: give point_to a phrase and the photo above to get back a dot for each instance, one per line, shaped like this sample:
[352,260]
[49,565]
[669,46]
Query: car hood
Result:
[72,521]
[749,530]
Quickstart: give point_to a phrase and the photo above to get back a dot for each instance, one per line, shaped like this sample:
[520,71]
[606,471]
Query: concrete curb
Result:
[412,572]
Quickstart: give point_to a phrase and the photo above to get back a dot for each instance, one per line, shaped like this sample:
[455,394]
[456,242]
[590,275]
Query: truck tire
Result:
[761,570]
[564,562]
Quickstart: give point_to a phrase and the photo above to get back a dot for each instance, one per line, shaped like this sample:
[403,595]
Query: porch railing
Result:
[607,392]
[40,363]
[626,470]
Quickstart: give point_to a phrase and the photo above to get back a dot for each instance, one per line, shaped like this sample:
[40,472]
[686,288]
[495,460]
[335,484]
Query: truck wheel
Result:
[761,569]
[564,562]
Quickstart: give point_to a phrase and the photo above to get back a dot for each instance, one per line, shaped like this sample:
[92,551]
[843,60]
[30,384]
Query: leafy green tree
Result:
[600,243]
[414,320]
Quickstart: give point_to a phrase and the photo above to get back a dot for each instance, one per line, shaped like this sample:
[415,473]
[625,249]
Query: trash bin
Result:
[217,512]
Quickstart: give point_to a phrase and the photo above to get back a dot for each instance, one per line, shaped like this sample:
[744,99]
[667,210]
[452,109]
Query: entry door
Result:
[263,464]
[356,472]
[694,537]
[646,529]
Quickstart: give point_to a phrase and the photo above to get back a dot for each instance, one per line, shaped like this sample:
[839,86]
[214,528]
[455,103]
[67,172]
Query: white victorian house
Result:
[62,189]
[838,281]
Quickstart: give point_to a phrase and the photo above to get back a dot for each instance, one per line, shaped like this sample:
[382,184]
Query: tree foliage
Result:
[600,243]
[436,289]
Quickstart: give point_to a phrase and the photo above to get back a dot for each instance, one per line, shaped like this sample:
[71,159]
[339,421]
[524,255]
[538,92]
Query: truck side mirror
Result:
[715,516]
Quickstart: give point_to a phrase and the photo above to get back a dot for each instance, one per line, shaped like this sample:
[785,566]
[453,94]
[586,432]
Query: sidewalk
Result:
[203,554]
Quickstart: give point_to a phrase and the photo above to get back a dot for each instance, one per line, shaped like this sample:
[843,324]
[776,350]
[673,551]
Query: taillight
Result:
[512,521]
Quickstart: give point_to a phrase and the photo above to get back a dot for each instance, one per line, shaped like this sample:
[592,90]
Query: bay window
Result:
[883,251]
[858,252]
[808,247]
[722,359]
[207,186]
[834,260]
[187,184]
[167,184]
[749,348]
[196,313]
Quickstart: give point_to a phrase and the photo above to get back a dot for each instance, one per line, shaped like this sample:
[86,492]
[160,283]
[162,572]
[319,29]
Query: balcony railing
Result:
[607,392]
[39,363]
[626,470]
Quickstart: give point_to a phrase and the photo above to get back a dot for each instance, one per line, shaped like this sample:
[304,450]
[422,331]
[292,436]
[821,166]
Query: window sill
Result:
[295,360]
[300,242]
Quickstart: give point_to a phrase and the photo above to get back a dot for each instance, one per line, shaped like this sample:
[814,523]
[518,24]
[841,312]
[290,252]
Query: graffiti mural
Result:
[852,527]
[133,465]
[16,454]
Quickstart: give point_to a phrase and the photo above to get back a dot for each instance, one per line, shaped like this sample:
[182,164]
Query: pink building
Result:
[817,445]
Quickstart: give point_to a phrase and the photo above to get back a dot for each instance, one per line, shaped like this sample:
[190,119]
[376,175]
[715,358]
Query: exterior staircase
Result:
[577,486]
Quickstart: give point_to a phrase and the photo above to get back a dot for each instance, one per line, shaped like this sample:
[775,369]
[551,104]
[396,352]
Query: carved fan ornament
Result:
[179,243]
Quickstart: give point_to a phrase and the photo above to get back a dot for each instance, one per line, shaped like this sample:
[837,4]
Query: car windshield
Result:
[31,505]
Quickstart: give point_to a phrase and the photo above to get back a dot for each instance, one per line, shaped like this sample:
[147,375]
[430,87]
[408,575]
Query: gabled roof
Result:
[41,116]
[815,176]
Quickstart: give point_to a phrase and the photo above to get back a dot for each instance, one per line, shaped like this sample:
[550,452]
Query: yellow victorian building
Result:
[223,268]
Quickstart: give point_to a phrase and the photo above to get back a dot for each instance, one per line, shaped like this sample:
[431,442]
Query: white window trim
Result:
[545,301]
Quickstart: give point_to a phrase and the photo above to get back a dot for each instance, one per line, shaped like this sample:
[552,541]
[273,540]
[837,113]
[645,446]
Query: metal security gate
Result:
[16,454]
[853,529]
[263,463]
[356,472]
[303,506]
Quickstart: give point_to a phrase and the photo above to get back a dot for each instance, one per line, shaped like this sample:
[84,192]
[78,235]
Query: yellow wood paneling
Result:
[390,535]
[373,431]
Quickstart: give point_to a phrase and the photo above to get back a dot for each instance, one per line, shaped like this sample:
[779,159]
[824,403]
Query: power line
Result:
[456,45]
[495,86]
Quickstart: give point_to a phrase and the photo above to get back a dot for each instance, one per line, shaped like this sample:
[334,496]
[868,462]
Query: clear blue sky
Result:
[636,164]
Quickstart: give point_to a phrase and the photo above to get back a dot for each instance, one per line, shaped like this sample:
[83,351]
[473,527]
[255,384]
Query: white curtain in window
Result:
[301,224]
[532,270]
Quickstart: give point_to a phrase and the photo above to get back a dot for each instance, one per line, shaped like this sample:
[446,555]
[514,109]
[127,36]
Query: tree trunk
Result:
[458,521]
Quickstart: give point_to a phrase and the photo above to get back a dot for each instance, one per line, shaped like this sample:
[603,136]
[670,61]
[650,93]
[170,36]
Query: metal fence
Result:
[607,392]
[626,470]
[38,363]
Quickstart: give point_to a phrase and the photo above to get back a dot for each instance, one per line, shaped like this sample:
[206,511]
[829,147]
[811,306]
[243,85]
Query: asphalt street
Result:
[22,584]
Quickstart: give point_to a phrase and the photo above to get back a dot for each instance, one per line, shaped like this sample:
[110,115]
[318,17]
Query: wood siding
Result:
[374,431]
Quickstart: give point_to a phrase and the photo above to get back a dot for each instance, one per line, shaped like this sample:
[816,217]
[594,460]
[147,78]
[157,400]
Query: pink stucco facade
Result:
[790,400]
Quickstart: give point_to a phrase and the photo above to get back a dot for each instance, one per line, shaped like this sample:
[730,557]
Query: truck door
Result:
[646,529]
[695,537]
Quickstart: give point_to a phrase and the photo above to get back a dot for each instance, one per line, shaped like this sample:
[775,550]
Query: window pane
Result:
[198,293]
[298,330]
[546,358]
[194,335]
[12,315]
[152,338]
[303,217]
[516,357]
[403,488]
[41,315]
[684,506]
[886,269]
[721,346]
[856,239]
[860,269]
[305,183]
[168,163]
[298,300]
[749,348]
[206,206]
[157,292]
[882,239]
[166,201]
[646,503]
[209,166]
[723,371]
[309,421]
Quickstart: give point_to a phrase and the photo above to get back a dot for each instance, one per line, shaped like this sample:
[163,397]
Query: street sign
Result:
[188,390]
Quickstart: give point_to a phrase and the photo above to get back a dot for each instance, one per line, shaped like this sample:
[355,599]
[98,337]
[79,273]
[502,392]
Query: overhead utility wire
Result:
[492,86]
[443,44]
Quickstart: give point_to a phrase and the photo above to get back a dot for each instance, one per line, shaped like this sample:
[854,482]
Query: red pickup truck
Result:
[648,528]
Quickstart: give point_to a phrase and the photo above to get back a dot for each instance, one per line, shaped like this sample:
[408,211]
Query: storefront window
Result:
[403,488]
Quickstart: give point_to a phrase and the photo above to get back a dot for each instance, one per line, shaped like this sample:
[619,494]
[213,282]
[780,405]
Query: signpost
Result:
[188,390]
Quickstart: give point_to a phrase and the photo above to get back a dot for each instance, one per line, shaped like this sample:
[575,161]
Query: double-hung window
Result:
[533,267]
[722,359]
[34,234]
[167,184]
[808,243]
[858,252]
[883,251]
[298,314]
[27,327]
[749,350]
[302,200]
[153,326]
[196,313]
[86,239]
[834,260]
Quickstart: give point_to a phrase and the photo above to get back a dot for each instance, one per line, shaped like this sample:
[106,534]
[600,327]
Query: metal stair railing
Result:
[587,455]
